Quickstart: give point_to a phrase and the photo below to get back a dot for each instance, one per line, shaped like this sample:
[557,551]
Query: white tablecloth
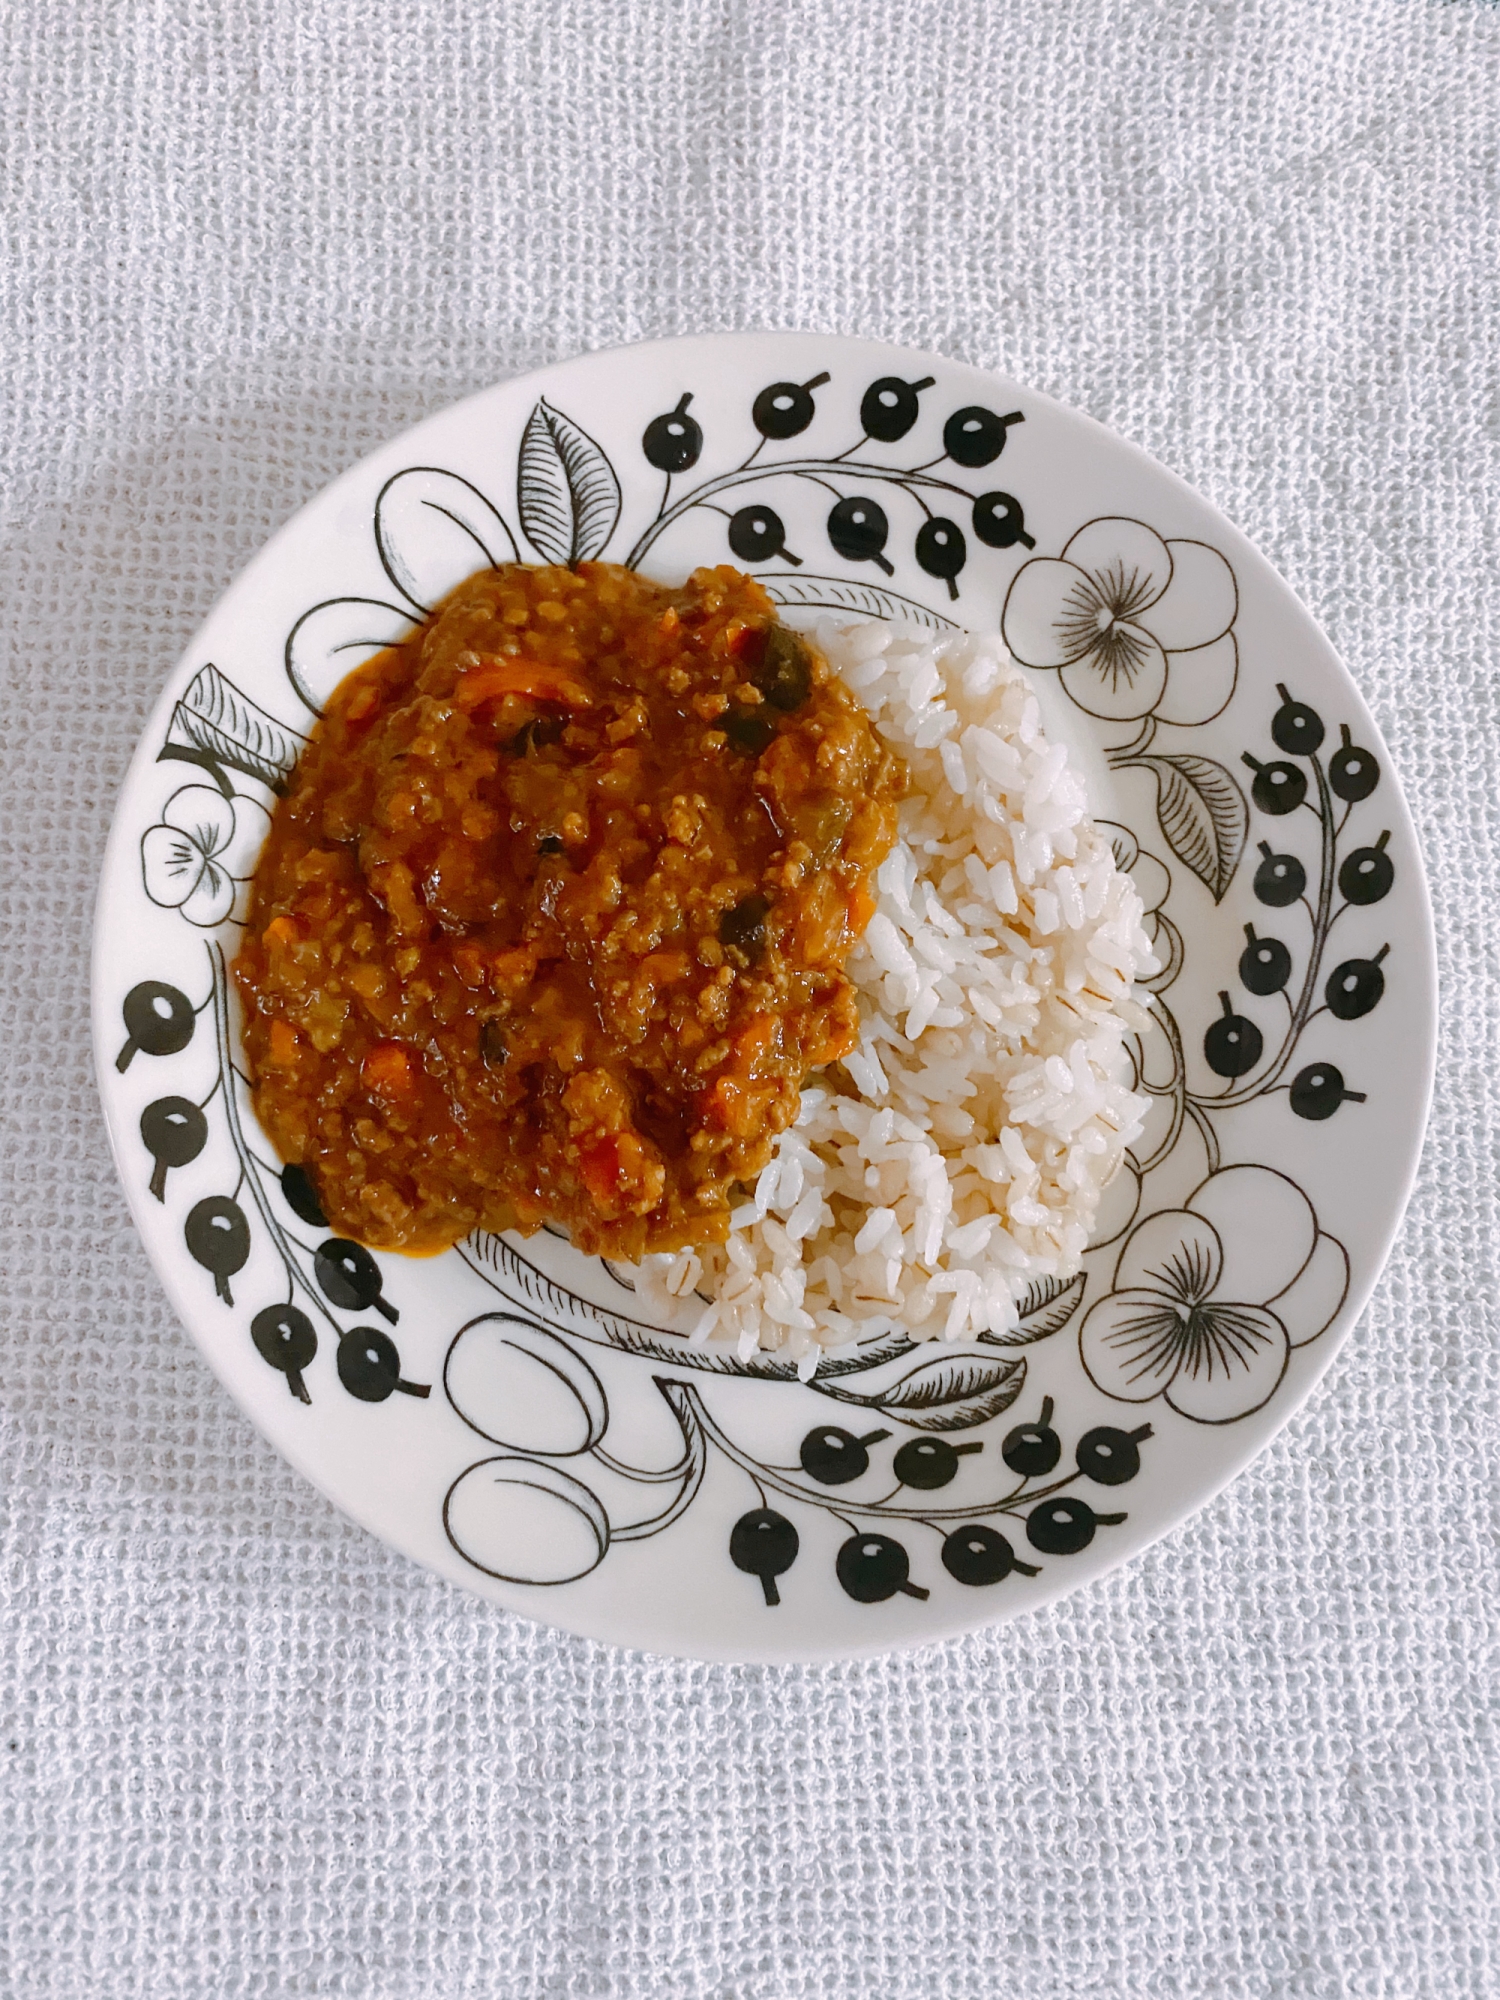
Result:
[243,1749]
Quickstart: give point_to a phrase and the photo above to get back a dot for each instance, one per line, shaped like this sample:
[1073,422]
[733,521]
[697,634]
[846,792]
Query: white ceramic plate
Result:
[504,1413]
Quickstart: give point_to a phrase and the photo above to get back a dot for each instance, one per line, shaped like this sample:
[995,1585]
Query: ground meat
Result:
[551,922]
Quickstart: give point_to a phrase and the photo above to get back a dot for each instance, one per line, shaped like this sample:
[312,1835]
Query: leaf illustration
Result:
[334,638]
[516,1278]
[1044,1308]
[1203,815]
[947,1393]
[566,489]
[836,593]
[215,725]
[432,529]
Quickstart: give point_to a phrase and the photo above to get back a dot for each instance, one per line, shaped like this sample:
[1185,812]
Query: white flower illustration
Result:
[1210,1299]
[204,845]
[1134,625]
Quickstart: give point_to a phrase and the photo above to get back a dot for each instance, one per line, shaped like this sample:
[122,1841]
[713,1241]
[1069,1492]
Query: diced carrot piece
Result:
[663,968]
[835,1045]
[387,1070]
[758,1036]
[861,909]
[362,705]
[730,1107]
[285,1046]
[493,679]
[599,1166]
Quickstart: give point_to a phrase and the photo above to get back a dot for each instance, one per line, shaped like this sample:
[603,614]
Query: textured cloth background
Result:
[244,1750]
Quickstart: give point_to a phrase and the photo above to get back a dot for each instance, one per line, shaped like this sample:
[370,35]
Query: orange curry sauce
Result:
[551,922]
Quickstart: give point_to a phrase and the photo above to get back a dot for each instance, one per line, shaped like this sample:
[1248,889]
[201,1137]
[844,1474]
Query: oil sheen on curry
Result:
[551,922]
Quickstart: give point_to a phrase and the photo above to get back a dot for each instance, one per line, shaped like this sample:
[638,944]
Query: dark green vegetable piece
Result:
[784,675]
[748,730]
[537,734]
[743,928]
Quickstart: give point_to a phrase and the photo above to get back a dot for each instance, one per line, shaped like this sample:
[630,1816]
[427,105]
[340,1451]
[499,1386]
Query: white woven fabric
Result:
[243,1749]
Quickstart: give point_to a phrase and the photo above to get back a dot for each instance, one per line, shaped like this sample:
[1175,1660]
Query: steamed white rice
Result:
[995,992]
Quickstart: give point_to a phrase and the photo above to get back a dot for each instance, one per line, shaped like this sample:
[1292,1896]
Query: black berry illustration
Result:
[1354,988]
[218,1238]
[285,1337]
[783,672]
[889,407]
[833,1457]
[786,408]
[174,1131]
[757,533]
[350,1277]
[927,1463]
[1280,879]
[764,1543]
[1109,1456]
[1000,522]
[1295,727]
[873,1567]
[370,1367]
[858,530]
[1318,1091]
[976,1554]
[974,436]
[1352,772]
[1278,788]
[1032,1449]
[1063,1526]
[302,1196]
[1367,874]
[1265,963]
[673,442]
[941,550]
[158,1019]
[1232,1046]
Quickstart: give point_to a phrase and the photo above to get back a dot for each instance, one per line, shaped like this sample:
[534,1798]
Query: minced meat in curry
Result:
[551,922]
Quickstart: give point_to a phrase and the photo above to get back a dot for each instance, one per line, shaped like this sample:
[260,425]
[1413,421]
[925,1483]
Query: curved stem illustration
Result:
[691,1469]
[1206,1130]
[746,475]
[644,1475]
[1303,1010]
[1176,1089]
[686,1403]
[1124,754]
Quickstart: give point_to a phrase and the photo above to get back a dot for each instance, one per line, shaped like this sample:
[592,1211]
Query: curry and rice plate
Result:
[793,972]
